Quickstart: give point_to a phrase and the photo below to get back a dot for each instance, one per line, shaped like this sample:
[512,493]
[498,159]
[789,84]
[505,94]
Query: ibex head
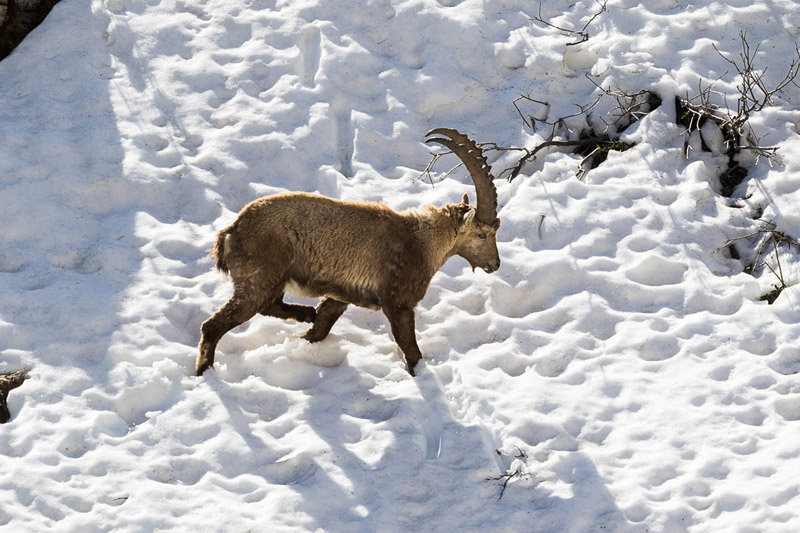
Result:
[477,236]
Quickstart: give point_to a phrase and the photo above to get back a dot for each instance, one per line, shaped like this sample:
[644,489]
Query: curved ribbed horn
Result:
[478,168]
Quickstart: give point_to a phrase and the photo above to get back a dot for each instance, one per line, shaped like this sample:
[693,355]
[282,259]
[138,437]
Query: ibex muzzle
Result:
[350,253]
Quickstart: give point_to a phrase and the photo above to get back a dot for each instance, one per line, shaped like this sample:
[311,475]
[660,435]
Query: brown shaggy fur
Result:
[363,254]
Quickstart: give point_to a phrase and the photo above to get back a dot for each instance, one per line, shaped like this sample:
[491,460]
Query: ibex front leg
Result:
[401,319]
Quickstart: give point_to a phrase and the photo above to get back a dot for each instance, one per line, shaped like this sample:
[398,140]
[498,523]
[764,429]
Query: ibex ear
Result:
[468,216]
[465,199]
[464,215]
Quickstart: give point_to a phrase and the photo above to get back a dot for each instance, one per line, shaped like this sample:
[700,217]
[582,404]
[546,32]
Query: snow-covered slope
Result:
[617,372]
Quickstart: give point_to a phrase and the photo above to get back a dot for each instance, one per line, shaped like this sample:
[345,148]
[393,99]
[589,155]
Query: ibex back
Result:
[363,254]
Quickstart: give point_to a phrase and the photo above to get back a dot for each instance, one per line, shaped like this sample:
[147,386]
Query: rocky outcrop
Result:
[18,18]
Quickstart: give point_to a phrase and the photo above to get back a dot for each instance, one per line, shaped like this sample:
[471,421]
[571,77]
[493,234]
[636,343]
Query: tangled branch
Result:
[767,235]
[753,92]
[561,121]
[754,95]
[594,146]
[582,33]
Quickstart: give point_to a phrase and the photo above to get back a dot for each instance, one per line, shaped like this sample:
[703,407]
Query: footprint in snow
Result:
[310,53]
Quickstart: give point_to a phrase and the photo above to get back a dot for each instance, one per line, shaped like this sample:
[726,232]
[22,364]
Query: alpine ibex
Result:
[363,254]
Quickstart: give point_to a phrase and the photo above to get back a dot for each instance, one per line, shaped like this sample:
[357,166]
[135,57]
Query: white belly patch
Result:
[294,288]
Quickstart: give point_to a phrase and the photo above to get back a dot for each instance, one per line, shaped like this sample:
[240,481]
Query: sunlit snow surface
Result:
[621,374]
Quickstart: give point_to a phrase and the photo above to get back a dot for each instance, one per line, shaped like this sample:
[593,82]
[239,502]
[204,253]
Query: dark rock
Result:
[8,382]
[731,178]
[18,18]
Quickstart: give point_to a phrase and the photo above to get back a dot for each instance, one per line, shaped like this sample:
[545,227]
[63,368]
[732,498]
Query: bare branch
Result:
[767,228]
[629,105]
[429,168]
[581,170]
[532,123]
[582,33]
[530,154]
[754,95]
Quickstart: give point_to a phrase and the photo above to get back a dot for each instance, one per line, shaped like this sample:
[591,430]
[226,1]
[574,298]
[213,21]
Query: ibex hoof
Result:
[202,367]
[313,336]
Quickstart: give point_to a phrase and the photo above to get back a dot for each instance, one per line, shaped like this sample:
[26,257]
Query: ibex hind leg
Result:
[328,313]
[238,310]
[280,309]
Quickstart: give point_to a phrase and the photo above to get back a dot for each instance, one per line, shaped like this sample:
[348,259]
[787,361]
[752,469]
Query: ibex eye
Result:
[481,235]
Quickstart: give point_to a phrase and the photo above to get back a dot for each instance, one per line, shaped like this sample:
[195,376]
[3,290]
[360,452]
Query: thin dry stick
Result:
[532,123]
[429,168]
[778,259]
[584,35]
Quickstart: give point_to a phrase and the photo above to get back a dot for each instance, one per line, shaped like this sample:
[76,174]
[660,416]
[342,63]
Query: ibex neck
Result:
[436,228]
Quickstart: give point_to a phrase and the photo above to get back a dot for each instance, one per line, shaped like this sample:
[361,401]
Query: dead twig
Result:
[428,172]
[772,295]
[507,477]
[519,473]
[582,33]
[768,230]
[532,123]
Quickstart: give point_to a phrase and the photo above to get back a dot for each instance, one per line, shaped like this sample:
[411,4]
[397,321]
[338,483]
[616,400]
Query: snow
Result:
[616,371]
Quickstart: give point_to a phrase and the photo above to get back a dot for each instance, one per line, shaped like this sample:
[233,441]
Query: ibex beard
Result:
[363,254]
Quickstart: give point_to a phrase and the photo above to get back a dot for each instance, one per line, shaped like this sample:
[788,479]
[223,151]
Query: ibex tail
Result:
[221,250]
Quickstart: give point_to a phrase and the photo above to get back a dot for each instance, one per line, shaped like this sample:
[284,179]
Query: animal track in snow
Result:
[786,361]
[191,143]
[551,364]
[784,497]
[656,271]
[373,409]
[721,373]
[727,503]
[74,444]
[342,134]
[157,150]
[293,468]
[10,265]
[179,250]
[449,3]
[198,11]
[752,416]
[763,345]
[641,243]
[186,471]
[234,34]
[658,347]
[789,408]
[310,52]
